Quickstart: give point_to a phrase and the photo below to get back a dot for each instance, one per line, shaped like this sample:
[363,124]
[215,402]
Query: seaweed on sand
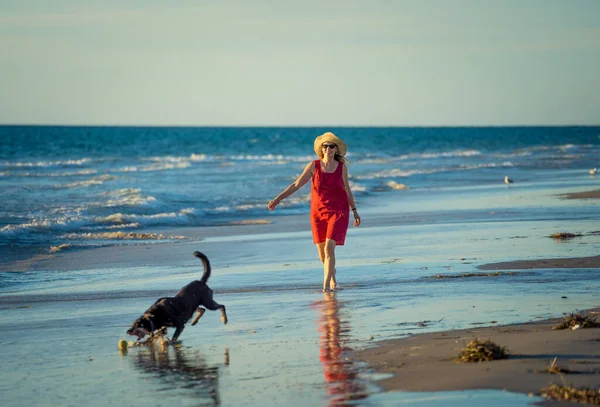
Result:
[581,395]
[572,320]
[479,351]
[564,235]
[555,369]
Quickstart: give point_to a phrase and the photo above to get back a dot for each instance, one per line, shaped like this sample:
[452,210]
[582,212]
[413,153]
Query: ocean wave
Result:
[41,229]
[250,222]
[198,157]
[167,163]
[127,197]
[183,217]
[155,167]
[367,161]
[272,158]
[94,181]
[356,187]
[48,174]
[45,164]
[441,154]
[395,173]
[400,173]
[131,168]
[167,159]
[119,236]
[42,226]
[397,186]
[162,166]
[60,247]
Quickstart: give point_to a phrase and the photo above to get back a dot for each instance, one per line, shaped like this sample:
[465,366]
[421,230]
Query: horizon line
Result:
[295,126]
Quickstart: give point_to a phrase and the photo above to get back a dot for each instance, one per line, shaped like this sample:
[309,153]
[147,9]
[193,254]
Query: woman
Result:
[331,201]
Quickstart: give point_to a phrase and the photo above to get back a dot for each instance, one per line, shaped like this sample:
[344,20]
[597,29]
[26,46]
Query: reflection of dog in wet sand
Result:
[183,370]
[176,311]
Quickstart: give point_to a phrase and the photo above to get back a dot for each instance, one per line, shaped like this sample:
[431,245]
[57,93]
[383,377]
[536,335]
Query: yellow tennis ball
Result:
[122,344]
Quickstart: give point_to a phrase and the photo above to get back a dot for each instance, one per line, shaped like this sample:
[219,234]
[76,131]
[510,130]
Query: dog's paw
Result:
[224,319]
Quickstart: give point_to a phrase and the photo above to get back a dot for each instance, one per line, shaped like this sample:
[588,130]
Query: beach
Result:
[427,362]
[429,261]
[287,343]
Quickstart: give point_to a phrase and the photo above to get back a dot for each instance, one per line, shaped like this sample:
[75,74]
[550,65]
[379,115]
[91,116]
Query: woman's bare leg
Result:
[322,249]
[329,265]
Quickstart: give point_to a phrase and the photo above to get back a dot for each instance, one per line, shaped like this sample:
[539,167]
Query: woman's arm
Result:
[350,197]
[299,183]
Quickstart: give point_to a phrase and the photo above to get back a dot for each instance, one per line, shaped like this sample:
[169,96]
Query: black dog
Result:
[176,311]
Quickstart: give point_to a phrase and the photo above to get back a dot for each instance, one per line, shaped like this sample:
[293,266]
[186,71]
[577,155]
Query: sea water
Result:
[68,187]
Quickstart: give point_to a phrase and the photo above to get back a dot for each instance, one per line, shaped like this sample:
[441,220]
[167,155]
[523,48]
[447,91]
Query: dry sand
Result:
[425,362]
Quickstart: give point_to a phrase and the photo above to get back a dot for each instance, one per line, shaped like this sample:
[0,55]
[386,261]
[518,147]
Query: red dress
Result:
[329,211]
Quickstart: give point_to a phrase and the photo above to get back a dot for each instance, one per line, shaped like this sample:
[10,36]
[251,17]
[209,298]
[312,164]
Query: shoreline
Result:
[111,253]
[424,362]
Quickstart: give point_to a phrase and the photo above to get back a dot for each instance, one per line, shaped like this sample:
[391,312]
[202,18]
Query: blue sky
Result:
[380,63]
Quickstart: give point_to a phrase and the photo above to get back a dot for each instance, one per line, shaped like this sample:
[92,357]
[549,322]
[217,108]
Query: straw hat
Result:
[329,136]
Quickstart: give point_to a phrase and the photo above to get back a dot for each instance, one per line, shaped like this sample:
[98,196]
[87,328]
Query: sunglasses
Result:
[326,146]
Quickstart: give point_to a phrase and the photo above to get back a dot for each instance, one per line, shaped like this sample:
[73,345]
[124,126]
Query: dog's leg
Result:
[178,332]
[213,306]
[201,312]
[223,315]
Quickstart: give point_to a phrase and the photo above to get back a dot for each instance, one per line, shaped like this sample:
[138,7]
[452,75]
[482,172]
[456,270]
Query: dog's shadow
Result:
[180,371]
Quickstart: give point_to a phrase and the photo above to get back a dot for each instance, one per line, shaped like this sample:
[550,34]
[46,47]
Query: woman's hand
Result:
[356,218]
[273,204]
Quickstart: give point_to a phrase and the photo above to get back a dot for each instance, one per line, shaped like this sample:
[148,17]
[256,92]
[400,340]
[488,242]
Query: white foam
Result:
[446,154]
[399,173]
[127,197]
[163,166]
[119,236]
[127,169]
[44,164]
[198,157]
[49,174]
[271,158]
[94,181]
[183,217]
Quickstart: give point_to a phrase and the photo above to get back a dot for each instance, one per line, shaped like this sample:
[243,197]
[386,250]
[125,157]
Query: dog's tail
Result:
[206,263]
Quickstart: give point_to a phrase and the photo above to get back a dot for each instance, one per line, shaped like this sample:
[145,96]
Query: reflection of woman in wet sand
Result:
[341,376]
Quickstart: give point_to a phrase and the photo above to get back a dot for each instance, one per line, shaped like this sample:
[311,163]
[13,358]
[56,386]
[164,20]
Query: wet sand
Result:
[566,263]
[582,195]
[425,362]
[286,343]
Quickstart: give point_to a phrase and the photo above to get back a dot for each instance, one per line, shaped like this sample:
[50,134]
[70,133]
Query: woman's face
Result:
[329,149]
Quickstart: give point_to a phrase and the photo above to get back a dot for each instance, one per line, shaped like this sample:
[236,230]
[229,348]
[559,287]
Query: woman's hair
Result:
[341,159]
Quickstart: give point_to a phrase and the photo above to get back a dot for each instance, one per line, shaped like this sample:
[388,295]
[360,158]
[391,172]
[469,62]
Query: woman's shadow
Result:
[341,374]
[181,370]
